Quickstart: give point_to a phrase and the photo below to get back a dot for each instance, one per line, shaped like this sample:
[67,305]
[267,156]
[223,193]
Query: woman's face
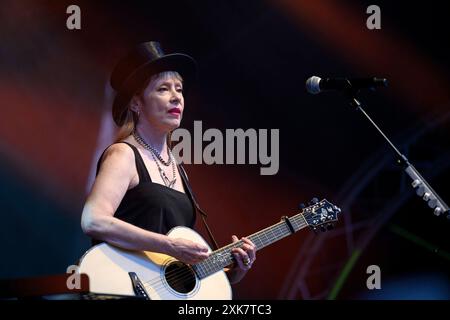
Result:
[162,103]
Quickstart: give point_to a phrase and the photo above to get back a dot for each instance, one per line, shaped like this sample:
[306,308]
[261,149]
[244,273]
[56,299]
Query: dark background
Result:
[254,58]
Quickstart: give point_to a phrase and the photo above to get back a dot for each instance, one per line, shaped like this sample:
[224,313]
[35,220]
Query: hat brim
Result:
[181,63]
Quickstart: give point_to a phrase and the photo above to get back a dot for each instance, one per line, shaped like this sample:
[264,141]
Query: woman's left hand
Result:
[245,255]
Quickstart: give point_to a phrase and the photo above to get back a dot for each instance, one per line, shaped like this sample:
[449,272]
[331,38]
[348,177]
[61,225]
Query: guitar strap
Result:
[197,207]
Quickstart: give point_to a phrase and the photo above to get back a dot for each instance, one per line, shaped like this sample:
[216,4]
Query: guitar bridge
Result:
[138,287]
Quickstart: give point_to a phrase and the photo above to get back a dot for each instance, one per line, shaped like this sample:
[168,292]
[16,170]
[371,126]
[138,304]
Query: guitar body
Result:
[163,277]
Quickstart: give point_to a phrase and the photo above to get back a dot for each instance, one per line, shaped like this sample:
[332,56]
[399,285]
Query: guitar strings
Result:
[183,275]
[177,276]
[172,274]
[227,249]
[180,275]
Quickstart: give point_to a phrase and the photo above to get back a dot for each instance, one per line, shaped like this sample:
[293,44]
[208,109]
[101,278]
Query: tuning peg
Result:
[313,201]
[301,206]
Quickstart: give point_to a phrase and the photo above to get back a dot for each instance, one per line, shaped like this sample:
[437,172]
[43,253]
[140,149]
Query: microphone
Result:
[316,84]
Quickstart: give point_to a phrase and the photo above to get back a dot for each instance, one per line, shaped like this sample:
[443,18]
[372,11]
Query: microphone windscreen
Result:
[313,85]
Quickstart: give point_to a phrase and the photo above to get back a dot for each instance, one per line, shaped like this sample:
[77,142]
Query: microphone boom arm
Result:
[423,189]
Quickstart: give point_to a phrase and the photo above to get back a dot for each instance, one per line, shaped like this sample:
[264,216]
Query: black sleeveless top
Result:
[153,206]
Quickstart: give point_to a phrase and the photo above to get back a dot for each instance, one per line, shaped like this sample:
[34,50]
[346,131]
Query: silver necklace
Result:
[142,142]
[167,182]
[157,158]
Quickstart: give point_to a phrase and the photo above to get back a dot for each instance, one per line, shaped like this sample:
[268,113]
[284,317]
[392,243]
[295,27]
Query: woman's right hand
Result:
[187,251]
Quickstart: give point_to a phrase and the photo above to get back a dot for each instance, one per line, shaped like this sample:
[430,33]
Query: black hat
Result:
[138,66]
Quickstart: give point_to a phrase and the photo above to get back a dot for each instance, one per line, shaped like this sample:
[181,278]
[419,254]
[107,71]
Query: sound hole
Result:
[180,277]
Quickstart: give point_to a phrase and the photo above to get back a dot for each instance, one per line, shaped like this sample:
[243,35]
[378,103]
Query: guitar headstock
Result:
[321,215]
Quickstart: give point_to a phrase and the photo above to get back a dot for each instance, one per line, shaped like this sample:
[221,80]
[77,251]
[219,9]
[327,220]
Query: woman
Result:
[138,194]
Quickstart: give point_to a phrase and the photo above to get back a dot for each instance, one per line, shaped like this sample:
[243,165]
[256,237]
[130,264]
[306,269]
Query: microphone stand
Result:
[423,189]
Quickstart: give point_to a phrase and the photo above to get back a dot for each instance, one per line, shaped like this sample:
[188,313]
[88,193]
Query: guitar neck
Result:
[223,256]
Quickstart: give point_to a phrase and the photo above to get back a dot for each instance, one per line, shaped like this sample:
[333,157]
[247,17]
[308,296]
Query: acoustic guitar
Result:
[150,275]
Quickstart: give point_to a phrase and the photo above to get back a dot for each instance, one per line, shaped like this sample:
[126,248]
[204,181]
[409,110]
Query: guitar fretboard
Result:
[224,257]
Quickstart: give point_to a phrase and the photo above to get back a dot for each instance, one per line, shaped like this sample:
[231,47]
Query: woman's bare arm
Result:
[98,221]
